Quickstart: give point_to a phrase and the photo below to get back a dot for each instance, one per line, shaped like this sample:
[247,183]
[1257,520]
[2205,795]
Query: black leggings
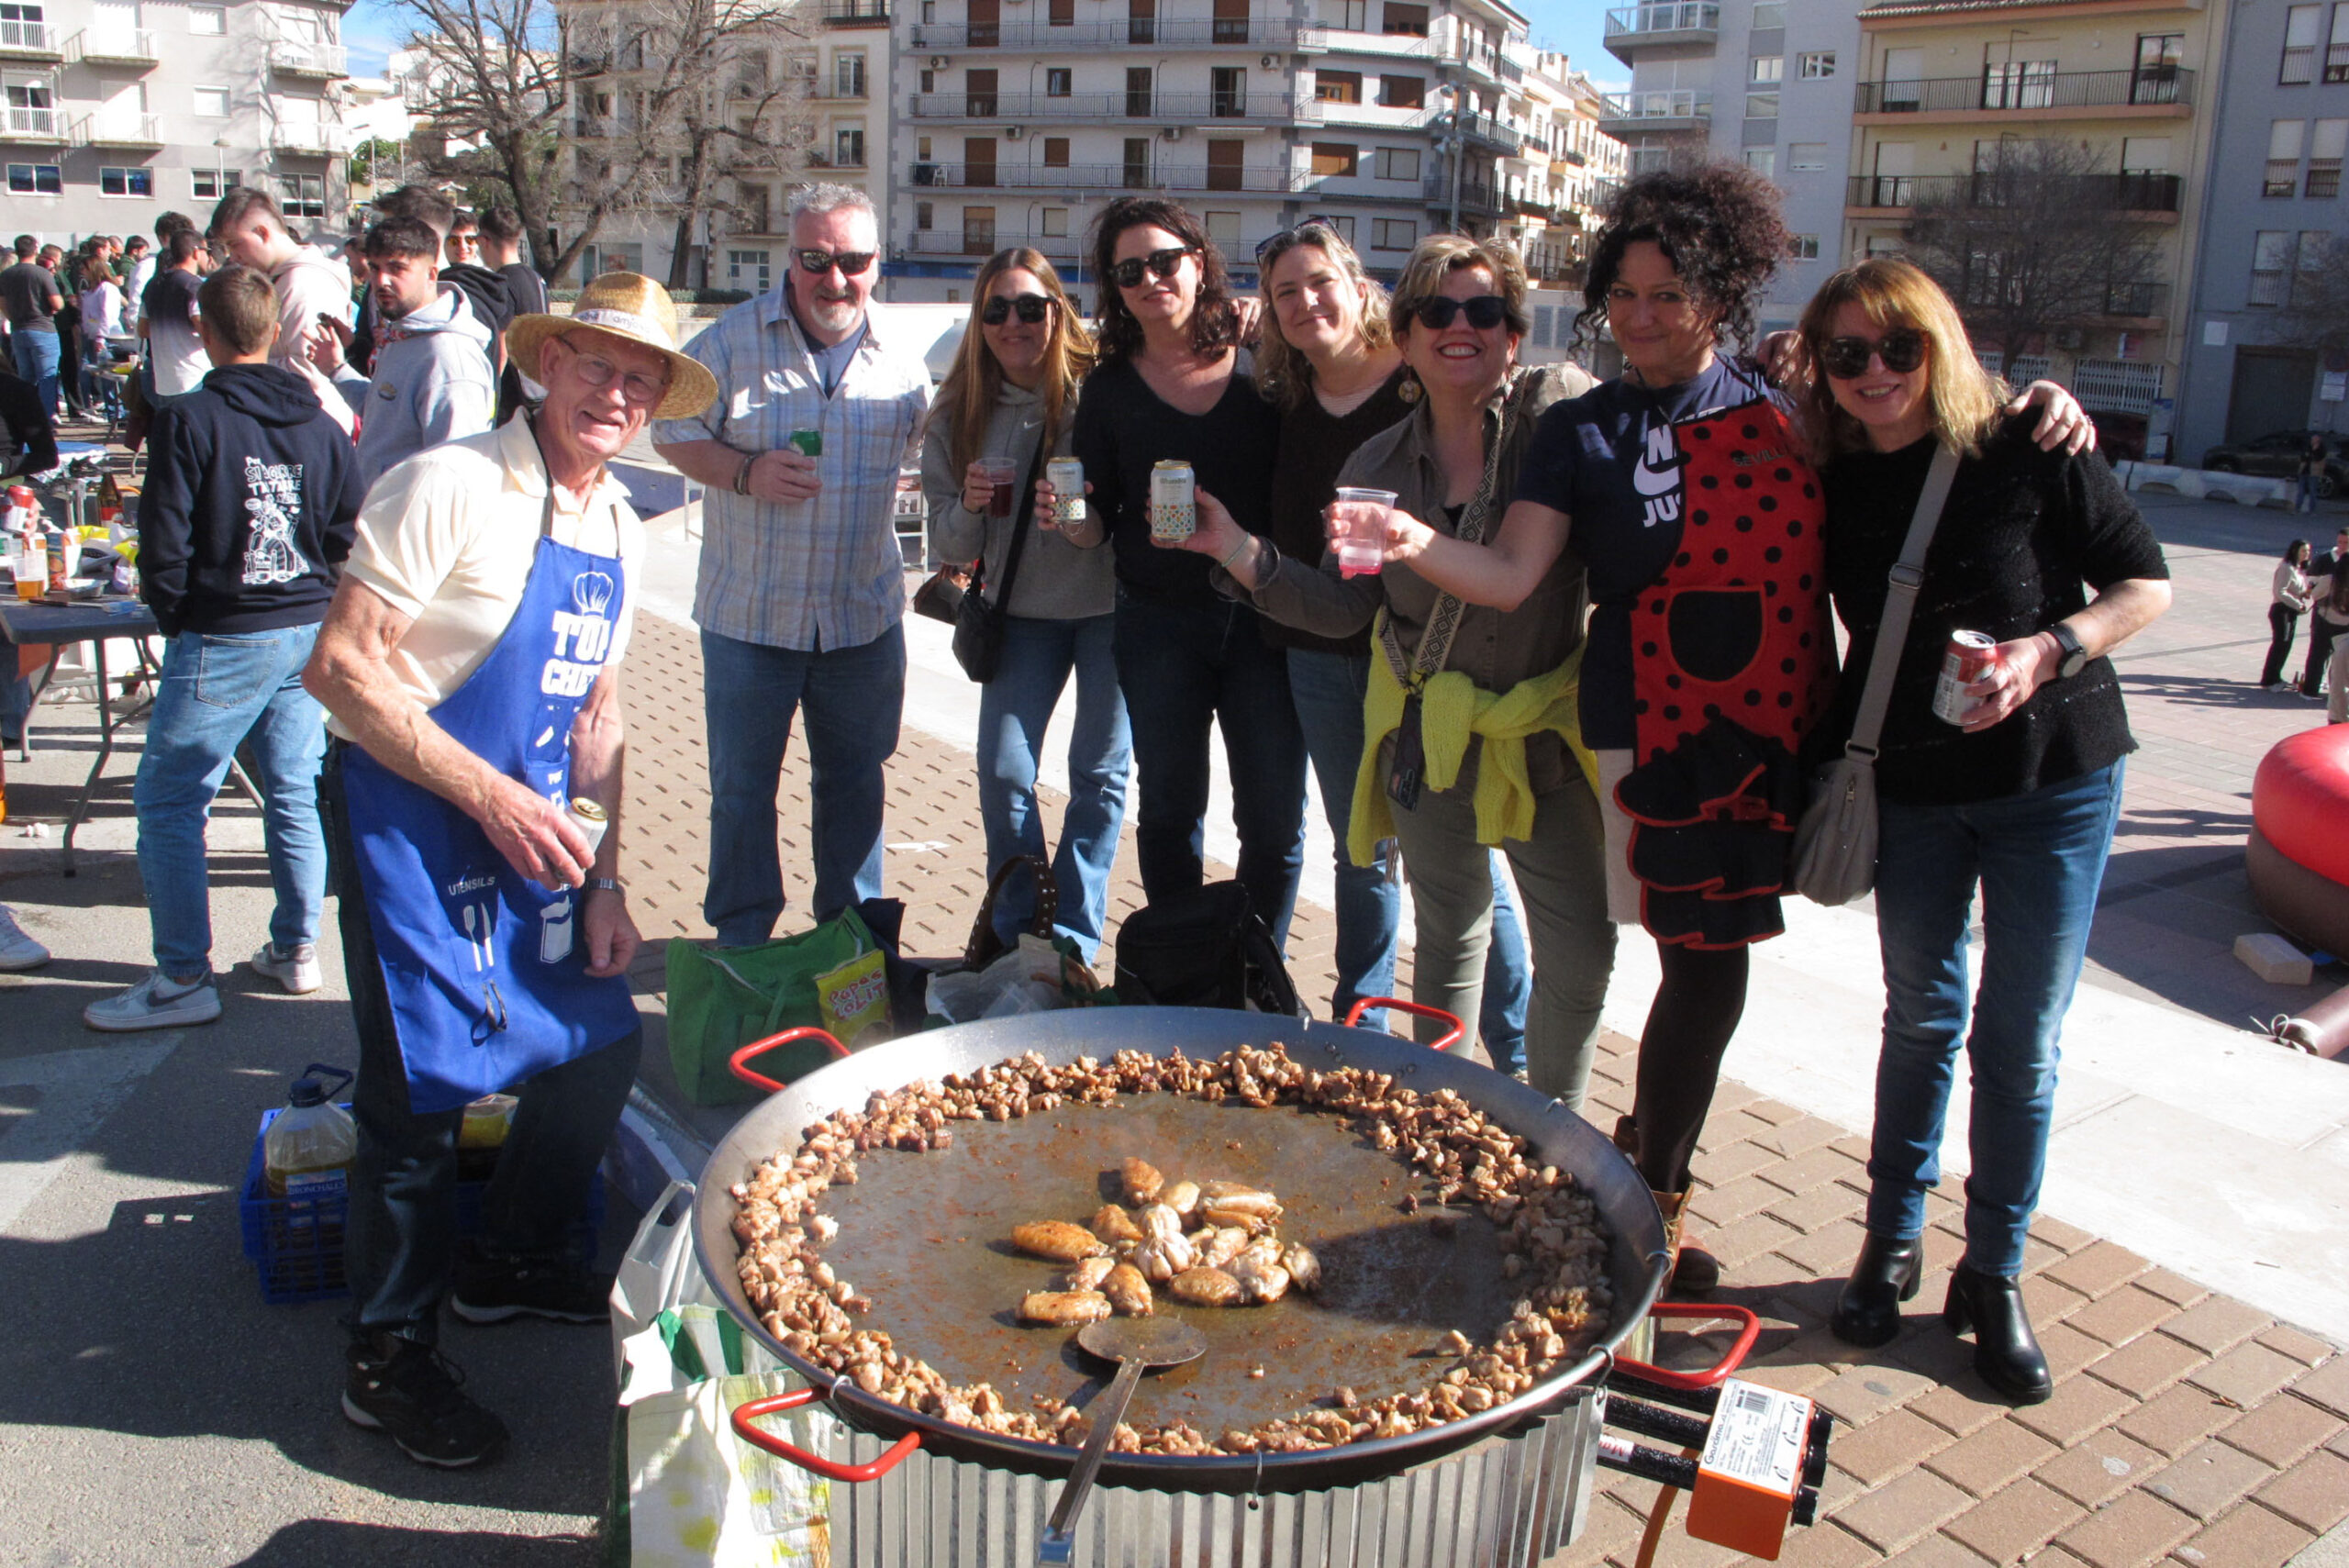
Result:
[1696,1007]
[2282,620]
[2321,634]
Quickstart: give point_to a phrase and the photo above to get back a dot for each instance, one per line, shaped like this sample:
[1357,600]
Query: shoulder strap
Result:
[1018,531]
[1906,577]
[1443,620]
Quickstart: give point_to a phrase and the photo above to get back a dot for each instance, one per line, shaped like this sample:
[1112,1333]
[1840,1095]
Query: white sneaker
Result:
[18,950]
[296,971]
[157,1002]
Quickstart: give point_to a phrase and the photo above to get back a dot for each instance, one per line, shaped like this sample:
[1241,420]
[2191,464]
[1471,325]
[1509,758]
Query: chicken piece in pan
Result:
[1304,1268]
[1143,1182]
[1259,1271]
[1183,1197]
[1057,1241]
[1128,1291]
[1063,1308]
[1115,1226]
[1206,1287]
[1089,1274]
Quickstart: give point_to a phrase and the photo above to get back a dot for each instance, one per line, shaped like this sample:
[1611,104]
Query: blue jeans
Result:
[2039,859]
[854,699]
[1183,668]
[1328,689]
[217,693]
[38,359]
[1014,709]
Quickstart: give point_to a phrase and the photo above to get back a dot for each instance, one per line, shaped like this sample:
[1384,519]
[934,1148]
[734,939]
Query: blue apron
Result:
[487,980]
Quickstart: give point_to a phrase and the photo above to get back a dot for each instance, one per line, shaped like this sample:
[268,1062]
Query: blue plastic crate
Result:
[296,1244]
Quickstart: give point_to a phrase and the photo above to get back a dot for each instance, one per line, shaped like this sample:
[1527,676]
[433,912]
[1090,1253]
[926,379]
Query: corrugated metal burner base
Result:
[1507,1502]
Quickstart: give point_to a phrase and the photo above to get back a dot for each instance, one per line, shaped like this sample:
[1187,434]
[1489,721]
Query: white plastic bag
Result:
[1027,979]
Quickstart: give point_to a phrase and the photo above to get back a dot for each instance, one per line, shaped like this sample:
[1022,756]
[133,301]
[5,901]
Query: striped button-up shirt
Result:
[820,573]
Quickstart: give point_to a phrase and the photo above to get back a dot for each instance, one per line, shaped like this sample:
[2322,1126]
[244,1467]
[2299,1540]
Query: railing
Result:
[1499,133]
[2298,65]
[2135,299]
[1473,193]
[1184,32]
[1181,108]
[28,38]
[2159,85]
[35,125]
[1685,16]
[973,242]
[313,140]
[1670,103]
[1373,117]
[2117,386]
[2124,193]
[856,12]
[116,129]
[113,44]
[1080,177]
[304,58]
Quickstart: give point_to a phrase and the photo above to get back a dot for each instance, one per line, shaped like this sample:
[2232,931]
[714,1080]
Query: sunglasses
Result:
[1127,274]
[1032,308]
[1297,231]
[1485,312]
[1902,349]
[850,262]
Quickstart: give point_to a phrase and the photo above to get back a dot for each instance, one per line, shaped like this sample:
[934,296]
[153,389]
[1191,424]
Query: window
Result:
[211,184]
[2298,65]
[1806,157]
[2315,243]
[1393,233]
[1060,14]
[1056,152]
[1335,158]
[1344,228]
[1816,66]
[1411,21]
[750,269]
[2326,148]
[2283,177]
[1228,92]
[1761,106]
[209,21]
[1762,160]
[924,217]
[302,196]
[211,102]
[2019,84]
[131,181]
[1402,92]
[1767,68]
[1352,16]
[36,180]
[848,75]
[1802,247]
[1224,228]
[847,147]
[1057,79]
[929,80]
[2337,51]
[1337,86]
[1053,222]
[1398,163]
[1769,14]
[2270,248]
[978,231]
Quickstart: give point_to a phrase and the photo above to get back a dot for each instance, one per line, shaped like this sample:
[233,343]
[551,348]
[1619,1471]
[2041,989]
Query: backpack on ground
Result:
[1207,948]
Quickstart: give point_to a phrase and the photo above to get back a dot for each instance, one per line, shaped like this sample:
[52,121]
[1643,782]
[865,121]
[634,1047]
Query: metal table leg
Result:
[106,749]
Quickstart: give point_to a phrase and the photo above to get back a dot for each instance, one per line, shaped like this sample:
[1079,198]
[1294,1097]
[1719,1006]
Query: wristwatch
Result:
[605,885]
[2076,653]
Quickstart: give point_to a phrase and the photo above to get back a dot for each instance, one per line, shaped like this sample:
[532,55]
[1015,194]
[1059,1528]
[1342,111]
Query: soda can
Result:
[1173,501]
[589,816]
[1066,476]
[810,443]
[1968,654]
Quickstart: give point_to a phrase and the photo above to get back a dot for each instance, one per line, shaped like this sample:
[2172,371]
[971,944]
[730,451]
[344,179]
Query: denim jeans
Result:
[39,360]
[1014,710]
[2039,860]
[1184,668]
[853,698]
[217,693]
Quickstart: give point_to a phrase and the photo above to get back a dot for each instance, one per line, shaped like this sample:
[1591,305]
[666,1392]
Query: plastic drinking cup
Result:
[1363,547]
[1002,474]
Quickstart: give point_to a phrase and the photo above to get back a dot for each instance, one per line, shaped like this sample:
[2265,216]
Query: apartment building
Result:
[1765,81]
[117,111]
[2273,199]
[1943,83]
[1557,185]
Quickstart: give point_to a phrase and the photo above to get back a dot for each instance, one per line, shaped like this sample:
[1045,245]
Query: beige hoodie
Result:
[309,285]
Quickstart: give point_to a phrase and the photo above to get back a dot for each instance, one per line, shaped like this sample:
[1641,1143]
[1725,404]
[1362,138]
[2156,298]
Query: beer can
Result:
[1066,476]
[1968,654]
[1173,501]
[589,816]
[810,443]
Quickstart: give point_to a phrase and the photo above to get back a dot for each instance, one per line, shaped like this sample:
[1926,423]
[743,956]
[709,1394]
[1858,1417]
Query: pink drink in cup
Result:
[1363,547]
[1002,474]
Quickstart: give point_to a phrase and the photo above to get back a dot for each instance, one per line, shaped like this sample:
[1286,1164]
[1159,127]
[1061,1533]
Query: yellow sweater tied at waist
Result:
[1451,709]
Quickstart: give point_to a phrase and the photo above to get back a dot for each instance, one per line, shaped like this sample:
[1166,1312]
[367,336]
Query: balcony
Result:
[28,40]
[1163,32]
[1493,133]
[1080,180]
[1367,117]
[1634,27]
[301,57]
[114,129]
[1476,195]
[44,126]
[1169,108]
[310,141]
[1675,108]
[2158,94]
[980,243]
[1890,195]
[130,47]
[856,12]
[2134,304]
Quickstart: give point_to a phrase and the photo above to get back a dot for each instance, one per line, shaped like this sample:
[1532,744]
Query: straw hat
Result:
[629,306]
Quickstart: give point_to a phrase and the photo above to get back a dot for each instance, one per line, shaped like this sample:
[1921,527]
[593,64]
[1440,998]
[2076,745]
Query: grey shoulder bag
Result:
[1834,852]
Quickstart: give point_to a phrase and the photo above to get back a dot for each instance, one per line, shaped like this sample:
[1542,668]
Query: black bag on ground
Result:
[1207,949]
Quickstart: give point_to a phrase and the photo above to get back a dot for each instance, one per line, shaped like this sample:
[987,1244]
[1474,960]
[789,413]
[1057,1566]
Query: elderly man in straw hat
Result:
[469,670]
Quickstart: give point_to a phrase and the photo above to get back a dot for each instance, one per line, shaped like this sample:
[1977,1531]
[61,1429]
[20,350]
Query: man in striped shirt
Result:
[801,594]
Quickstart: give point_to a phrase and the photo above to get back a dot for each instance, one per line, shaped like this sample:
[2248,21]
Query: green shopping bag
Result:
[720,1000]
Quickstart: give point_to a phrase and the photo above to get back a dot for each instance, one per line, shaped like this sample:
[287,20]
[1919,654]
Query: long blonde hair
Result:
[1283,373]
[967,397]
[1890,293]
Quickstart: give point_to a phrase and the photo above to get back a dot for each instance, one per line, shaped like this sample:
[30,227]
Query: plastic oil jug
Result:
[310,1145]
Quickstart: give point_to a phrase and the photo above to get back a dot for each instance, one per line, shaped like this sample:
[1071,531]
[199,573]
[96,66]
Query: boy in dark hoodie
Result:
[251,497]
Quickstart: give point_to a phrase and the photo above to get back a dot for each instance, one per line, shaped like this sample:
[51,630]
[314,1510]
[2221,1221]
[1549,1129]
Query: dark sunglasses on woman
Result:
[1032,308]
[1486,311]
[1127,274]
[850,262]
[1902,349]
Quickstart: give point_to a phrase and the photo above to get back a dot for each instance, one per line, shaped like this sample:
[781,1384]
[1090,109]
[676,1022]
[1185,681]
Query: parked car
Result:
[2277,456]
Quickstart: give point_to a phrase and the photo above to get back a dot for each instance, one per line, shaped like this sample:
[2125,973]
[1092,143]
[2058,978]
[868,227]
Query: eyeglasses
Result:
[1127,274]
[1485,312]
[1902,349]
[1297,231]
[636,387]
[850,262]
[1032,308]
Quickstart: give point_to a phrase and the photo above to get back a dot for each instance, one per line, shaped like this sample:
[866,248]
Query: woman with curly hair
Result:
[1168,385]
[1683,488]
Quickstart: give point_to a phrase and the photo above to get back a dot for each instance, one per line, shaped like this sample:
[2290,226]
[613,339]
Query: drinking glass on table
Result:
[1363,546]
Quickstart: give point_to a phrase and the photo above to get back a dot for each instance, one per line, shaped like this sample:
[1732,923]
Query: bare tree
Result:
[2040,240]
[2316,303]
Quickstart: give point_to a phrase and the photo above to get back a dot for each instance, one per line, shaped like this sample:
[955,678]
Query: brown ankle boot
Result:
[1695,1272]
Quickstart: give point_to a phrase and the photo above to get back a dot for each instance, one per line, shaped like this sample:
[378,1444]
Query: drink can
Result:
[589,816]
[60,550]
[1066,476]
[810,443]
[1968,654]
[1173,501]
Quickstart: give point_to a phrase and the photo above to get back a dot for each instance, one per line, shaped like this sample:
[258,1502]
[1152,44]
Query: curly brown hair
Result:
[1215,320]
[1718,225]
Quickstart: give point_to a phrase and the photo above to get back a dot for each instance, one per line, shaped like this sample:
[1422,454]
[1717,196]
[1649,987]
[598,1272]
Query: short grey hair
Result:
[827,197]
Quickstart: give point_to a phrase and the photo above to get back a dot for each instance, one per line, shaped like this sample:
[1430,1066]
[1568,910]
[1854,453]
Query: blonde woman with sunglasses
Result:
[1011,399]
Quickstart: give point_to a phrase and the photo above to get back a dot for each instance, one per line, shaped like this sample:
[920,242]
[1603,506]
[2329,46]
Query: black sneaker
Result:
[416,1396]
[493,1288]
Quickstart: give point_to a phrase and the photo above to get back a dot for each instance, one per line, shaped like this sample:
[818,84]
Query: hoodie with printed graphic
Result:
[433,383]
[251,501]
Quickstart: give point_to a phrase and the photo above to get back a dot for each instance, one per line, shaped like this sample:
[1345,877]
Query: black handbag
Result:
[978,625]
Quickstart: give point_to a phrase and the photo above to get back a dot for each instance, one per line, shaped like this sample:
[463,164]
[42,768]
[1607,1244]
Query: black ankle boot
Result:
[1868,1312]
[2005,1352]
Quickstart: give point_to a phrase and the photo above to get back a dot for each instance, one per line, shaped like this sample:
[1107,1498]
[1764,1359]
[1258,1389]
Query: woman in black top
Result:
[2018,797]
[1168,385]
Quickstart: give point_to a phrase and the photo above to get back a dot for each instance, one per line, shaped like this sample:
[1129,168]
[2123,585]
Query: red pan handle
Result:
[746,1414]
[1702,1310]
[739,1063]
[1364,1005]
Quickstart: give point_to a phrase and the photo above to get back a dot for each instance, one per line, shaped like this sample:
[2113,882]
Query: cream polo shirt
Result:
[447,538]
